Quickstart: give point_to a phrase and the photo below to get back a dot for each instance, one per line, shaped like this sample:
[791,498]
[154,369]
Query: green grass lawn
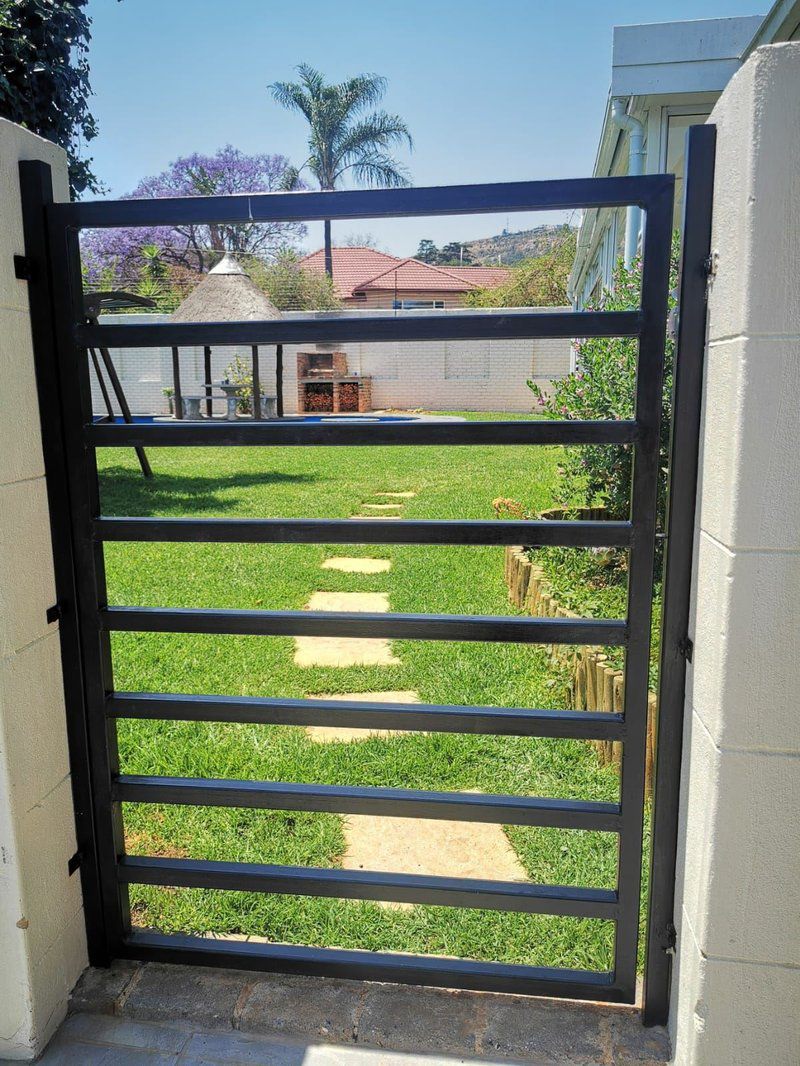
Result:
[451,482]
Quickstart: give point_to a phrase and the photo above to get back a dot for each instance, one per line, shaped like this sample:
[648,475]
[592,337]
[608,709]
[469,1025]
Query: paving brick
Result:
[187,993]
[238,1048]
[105,1029]
[632,1044]
[303,1007]
[99,988]
[412,1019]
[545,1032]
[84,1054]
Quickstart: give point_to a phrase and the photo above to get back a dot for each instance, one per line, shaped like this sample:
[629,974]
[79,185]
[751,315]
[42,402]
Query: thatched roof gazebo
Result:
[227,294]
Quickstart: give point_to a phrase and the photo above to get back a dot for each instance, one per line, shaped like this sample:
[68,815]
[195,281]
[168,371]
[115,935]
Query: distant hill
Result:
[512,247]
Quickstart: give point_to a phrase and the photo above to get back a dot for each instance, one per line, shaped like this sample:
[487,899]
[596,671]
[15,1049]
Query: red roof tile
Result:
[351,266]
[357,269]
[483,276]
[412,274]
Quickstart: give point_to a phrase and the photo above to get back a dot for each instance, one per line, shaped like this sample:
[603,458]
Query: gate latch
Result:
[686,648]
[74,863]
[23,268]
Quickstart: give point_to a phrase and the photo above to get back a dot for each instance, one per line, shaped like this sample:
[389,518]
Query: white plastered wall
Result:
[488,375]
[42,941]
[736,985]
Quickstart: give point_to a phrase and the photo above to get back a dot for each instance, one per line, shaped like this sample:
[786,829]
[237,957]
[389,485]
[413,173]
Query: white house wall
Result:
[436,375]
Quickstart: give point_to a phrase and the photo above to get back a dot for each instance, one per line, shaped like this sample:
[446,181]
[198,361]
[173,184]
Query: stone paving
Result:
[161,1015]
[434,847]
[334,734]
[345,651]
[358,565]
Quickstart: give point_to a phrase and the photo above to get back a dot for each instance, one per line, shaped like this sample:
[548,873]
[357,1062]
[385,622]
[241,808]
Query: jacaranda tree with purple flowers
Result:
[117,253]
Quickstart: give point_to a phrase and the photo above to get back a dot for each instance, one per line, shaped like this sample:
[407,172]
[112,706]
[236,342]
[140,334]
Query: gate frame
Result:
[79,531]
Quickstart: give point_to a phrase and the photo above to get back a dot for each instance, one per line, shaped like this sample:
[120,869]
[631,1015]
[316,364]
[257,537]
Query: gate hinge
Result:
[54,613]
[686,648]
[74,863]
[670,938]
[710,266]
[23,268]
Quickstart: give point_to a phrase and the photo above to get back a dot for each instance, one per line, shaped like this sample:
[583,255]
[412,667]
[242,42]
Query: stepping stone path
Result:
[345,651]
[395,845]
[332,734]
[429,846]
[357,565]
[385,506]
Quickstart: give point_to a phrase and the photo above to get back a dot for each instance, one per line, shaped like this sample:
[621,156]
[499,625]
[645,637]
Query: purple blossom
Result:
[226,172]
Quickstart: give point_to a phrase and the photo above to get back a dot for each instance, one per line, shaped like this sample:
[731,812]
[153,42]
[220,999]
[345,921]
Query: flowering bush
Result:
[603,386]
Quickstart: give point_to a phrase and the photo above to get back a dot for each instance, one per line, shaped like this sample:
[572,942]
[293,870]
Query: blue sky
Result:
[491,92]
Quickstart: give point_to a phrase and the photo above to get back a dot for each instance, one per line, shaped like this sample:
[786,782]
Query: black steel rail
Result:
[374,966]
[354,799]
[576,534]
[434,718]
[356,433]
[563,193]
[335,330]
[368,884]
[364,624]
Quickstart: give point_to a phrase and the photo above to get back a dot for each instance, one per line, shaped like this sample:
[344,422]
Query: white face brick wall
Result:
[42,941]
[436,375]
[736,984]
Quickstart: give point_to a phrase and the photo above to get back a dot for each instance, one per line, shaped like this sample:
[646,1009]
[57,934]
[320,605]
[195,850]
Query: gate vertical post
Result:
[36,185]
[69,400]
[684,443]
[644,487]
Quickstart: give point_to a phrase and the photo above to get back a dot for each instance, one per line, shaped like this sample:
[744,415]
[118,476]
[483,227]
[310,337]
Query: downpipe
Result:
[635,130]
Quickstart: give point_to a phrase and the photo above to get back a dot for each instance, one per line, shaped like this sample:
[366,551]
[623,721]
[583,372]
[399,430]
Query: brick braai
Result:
[324,384]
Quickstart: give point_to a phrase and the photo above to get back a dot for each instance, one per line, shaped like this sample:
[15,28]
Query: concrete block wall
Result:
[437,375]
[42,941]
[736,992]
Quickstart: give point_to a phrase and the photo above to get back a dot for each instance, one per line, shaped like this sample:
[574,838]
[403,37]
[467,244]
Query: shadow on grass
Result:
[126,492]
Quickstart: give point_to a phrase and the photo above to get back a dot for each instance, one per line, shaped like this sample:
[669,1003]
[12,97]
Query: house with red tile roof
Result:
[364,277]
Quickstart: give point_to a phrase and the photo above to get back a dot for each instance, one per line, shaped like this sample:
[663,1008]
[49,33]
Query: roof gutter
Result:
[635,131]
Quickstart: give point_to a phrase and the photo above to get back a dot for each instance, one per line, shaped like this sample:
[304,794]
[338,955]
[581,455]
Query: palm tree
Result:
[345,135]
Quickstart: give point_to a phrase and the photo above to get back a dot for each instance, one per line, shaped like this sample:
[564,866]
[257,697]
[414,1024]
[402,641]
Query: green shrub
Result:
[603,386]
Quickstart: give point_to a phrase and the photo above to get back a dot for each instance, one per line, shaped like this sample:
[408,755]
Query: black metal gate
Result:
[71,436]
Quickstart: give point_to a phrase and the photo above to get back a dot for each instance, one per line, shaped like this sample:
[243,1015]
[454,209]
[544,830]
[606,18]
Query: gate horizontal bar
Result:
[331,329]
[354,714]
[363,531]
[373,885]
[359,431]
[361,203]
[373,966]
[347,799]
[365,624]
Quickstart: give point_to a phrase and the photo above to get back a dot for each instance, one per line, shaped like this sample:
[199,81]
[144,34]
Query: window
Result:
[418,305]
[673,153]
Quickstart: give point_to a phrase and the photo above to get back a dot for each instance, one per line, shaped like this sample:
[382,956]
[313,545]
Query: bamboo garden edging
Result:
[594,684]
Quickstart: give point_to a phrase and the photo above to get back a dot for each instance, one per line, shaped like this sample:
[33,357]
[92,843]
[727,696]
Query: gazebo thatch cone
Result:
[227,294]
